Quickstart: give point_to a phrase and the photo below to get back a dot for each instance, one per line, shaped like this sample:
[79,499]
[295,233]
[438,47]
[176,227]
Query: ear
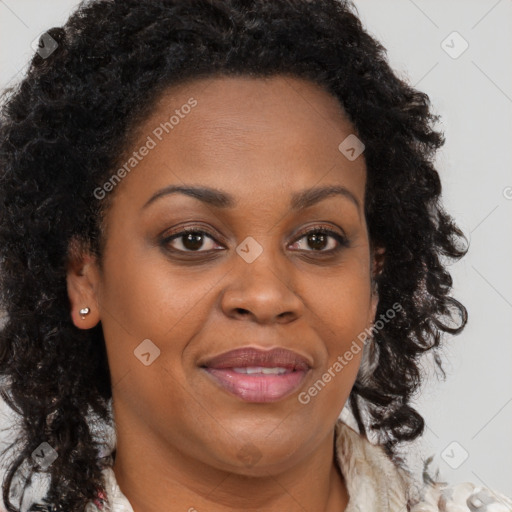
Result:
[377,265]
[83,278]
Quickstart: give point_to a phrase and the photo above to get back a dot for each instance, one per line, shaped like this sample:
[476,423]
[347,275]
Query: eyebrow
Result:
[219,199]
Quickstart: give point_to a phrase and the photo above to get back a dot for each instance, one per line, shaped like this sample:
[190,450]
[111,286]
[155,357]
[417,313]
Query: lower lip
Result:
[257,388]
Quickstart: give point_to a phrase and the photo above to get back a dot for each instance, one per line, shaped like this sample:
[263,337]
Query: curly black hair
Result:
[63,129]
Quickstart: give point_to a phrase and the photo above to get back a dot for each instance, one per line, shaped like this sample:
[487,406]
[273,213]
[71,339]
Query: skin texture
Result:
[180,436]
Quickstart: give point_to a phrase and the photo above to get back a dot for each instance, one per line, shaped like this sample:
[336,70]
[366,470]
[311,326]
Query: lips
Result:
[258,375]
[250,357]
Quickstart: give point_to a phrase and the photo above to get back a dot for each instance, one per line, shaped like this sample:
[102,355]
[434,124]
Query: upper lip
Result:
[249,356]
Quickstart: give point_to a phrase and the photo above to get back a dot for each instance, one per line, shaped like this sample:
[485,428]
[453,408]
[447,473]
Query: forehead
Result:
[249,135]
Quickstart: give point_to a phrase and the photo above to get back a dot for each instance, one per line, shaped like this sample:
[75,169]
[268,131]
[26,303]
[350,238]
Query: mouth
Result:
[258,375]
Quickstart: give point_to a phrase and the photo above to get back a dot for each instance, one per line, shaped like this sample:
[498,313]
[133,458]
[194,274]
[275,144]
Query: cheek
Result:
[144,300]
[148,297]
[341,300]
[147,301]
[341,307]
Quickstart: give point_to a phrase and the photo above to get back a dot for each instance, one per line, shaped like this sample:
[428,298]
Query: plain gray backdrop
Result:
[459,53]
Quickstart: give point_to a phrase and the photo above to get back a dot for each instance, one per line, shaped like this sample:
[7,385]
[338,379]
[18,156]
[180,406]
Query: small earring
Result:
[84,311]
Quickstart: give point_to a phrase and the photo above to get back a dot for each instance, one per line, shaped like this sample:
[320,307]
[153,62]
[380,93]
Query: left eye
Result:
[318,238]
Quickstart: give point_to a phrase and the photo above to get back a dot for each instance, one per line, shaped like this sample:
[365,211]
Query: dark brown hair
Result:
[62,131]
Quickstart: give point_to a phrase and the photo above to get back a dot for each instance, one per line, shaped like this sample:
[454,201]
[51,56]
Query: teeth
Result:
[260,369]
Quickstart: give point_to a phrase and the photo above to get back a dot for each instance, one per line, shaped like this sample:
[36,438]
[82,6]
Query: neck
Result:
[155,478]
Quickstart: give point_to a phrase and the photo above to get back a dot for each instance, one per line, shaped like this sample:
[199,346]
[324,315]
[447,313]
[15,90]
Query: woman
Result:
[221,229]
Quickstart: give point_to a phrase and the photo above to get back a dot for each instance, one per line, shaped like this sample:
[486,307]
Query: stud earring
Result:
[84,311]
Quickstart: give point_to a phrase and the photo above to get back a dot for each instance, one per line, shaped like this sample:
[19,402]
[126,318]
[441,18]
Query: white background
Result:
[473,94]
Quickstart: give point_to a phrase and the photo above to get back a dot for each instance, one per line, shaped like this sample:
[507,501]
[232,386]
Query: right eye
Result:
[188,240]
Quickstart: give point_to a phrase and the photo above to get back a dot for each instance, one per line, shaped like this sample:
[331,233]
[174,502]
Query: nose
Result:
[263,291]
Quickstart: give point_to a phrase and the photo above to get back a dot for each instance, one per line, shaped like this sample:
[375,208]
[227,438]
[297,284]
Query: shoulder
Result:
[434,495]
[462,497]
[375,482]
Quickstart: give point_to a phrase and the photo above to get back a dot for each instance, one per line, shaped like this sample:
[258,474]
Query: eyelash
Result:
[343,242]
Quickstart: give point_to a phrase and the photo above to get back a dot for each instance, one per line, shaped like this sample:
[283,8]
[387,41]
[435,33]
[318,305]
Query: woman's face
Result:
[169,306]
